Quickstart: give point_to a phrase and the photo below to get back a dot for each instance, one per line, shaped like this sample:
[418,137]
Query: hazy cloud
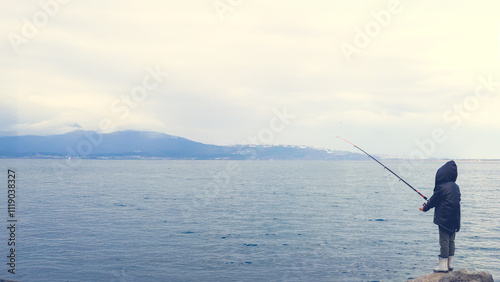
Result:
[227,76]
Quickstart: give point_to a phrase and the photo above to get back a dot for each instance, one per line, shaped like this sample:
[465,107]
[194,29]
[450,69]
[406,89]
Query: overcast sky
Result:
[401,78]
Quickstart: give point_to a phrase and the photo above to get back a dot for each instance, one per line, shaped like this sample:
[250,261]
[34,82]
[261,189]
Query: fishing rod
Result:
[400,179]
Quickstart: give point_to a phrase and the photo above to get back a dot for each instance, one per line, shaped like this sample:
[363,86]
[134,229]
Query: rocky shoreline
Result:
[462,275]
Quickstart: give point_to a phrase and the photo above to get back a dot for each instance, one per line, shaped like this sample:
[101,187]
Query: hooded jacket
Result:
[446,198]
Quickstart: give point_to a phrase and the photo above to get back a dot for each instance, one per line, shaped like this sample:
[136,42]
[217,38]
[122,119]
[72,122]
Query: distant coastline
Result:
[130,157]
[147,145]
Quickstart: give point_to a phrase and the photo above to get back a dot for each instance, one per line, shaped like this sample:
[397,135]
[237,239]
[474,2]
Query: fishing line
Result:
[400,179]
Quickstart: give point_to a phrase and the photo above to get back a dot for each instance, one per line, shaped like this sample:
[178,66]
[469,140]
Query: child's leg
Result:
[444,242]
[452,244]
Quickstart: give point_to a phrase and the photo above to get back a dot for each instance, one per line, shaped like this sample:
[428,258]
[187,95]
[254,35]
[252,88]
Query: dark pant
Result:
[447,242]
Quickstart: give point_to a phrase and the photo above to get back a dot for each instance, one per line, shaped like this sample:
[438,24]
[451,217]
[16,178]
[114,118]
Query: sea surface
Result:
[168,220]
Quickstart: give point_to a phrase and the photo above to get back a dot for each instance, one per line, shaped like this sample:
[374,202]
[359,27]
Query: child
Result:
[446,201]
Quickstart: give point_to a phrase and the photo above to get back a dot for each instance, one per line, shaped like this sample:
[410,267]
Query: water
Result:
[97,220]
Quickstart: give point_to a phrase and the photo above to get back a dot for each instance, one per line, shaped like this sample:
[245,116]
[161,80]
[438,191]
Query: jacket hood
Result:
[448,172]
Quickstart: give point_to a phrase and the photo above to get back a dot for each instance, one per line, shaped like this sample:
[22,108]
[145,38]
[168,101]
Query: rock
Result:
[462,275]
[467,275]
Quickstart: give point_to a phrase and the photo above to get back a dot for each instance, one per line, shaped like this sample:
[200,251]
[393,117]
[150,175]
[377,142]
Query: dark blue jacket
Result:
[446,198]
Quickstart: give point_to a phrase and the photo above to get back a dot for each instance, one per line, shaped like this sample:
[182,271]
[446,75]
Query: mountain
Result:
[147,145]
